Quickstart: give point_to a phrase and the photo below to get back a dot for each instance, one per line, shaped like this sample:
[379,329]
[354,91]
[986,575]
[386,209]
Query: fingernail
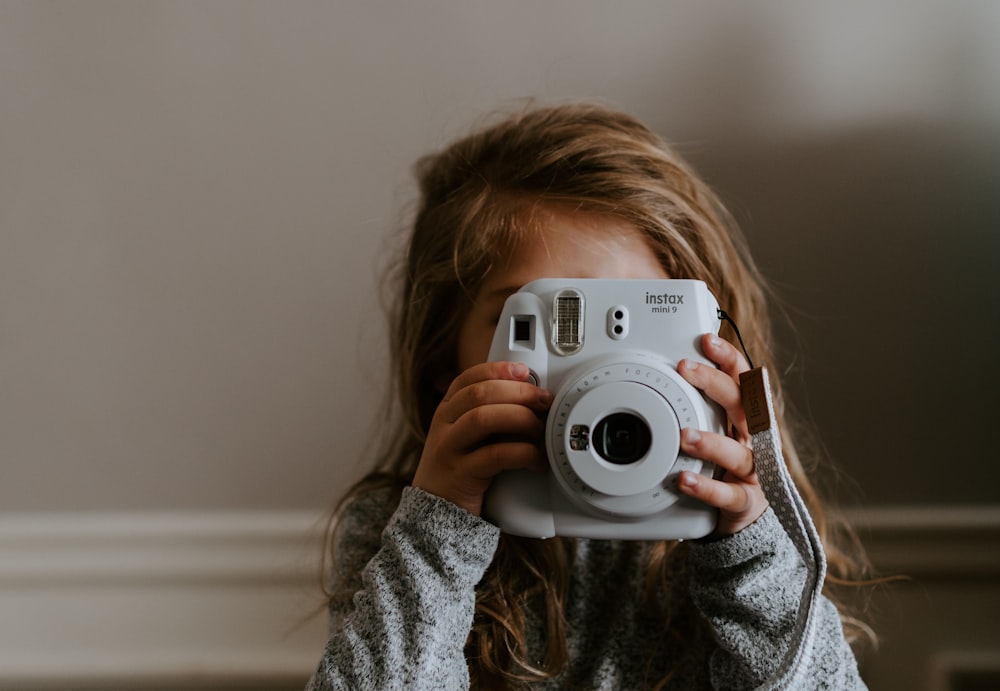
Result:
[688,479]
[519,370]
[690,365]
[691,435]
[715,341]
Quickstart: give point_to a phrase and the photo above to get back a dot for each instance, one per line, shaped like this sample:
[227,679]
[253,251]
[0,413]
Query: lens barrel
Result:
[622,438]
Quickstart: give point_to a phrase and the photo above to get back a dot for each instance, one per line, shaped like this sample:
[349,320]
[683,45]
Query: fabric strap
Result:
[787,504]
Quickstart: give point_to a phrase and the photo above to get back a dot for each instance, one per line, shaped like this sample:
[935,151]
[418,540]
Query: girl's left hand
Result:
[738,494]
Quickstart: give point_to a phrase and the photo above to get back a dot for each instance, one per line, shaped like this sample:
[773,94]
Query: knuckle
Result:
[709,493]
[496,455]
[733,499]
[479,416]
[729,354]
[499,369]
[463,379]
[479,394]
[488,454]
[526,390]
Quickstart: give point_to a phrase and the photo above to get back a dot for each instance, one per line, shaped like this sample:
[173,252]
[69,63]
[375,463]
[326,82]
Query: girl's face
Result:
[568,245]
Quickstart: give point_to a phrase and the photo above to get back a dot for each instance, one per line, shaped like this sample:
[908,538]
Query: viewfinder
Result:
[522,329]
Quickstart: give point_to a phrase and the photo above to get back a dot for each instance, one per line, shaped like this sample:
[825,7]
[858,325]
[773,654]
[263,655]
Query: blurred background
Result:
[196,199]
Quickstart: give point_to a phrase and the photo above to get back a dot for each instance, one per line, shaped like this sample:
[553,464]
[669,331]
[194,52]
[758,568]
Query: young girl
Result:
[427,594]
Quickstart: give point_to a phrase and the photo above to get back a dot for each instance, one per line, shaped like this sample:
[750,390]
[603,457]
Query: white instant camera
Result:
[608,351]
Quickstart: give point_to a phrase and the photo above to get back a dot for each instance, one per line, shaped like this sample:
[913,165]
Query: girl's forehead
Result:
[566,244]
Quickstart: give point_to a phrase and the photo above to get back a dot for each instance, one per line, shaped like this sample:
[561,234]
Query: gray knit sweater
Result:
[408,623]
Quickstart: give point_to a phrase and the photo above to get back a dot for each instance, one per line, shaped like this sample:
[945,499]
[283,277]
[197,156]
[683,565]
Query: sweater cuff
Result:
[464,543]
[763,536]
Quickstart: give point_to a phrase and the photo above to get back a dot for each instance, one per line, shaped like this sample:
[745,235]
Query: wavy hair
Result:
[477,197]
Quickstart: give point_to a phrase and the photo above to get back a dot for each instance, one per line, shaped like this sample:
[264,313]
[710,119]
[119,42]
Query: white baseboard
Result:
[215,600]
[952,543]
[160,600]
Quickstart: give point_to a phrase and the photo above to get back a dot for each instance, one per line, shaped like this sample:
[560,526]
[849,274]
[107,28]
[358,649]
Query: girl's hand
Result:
[738,494]
[489,421]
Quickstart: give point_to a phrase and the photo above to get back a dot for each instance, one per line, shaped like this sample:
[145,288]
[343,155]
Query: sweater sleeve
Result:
[749,586]
[407,624]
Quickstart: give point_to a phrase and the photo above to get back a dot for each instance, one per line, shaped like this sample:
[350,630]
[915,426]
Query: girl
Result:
[427,594]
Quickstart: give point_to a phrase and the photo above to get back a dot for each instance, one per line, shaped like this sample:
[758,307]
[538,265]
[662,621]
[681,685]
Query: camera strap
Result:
[787,504]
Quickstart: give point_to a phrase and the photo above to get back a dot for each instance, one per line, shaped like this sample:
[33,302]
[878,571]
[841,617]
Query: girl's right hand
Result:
[490,420]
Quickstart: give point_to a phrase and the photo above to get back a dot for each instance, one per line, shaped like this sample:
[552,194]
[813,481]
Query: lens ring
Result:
[586,404]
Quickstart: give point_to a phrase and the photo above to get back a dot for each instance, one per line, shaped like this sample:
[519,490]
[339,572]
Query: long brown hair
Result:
[476,197]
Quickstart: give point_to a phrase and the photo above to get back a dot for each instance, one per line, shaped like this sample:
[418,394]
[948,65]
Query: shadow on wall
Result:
[884,245]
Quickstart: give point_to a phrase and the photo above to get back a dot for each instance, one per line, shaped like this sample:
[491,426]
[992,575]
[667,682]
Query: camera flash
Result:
[567,319]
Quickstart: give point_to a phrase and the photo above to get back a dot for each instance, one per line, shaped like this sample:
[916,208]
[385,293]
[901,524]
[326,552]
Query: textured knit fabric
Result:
[408,622]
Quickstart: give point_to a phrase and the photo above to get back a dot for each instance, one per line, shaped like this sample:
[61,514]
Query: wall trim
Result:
[950,671]
[194,600]
[182,599]
[163,546]
[929,543]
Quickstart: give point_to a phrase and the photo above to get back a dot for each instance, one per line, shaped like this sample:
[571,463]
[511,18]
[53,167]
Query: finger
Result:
[724,452]
[479,424]
[485,371]
[721,388]
[493,392]
[724,354]
[491,459]
[732,497]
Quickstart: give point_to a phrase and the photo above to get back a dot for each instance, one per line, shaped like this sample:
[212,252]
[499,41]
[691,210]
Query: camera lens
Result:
[622,438]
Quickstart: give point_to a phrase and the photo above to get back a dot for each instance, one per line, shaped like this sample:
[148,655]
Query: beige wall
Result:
[193,198]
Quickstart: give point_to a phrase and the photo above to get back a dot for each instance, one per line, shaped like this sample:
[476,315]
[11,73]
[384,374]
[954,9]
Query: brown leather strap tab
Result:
[753,389]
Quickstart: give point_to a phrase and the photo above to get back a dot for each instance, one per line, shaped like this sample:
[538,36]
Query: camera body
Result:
[608,351]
